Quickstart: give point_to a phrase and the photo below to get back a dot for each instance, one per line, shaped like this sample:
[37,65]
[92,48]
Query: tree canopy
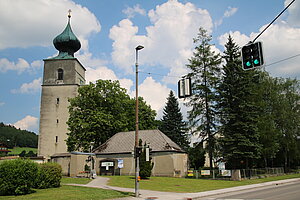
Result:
[101,110]
[14,137]
[205,71]
[239,110]
[256,117]
[172,123]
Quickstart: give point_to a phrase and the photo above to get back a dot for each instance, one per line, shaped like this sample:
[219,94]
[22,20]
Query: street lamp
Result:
[136,144]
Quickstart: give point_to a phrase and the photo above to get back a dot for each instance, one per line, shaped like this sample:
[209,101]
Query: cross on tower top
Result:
[69,11]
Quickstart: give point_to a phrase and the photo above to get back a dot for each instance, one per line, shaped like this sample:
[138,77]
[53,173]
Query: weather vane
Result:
[69,11]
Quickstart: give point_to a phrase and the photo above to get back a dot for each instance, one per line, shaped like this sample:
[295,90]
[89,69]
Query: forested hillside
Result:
[14,137]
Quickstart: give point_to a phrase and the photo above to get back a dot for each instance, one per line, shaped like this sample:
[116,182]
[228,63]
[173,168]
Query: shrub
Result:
[145,166]
[17,176]
[48,176]
[22,154]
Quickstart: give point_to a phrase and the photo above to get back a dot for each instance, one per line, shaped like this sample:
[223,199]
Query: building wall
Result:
[54,104]
[165,164]
[64,162]
[128,163]
[77,164]
[53,118]
[170,164]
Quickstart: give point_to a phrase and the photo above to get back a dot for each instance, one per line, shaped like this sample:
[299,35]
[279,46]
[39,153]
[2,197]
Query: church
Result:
[63,75]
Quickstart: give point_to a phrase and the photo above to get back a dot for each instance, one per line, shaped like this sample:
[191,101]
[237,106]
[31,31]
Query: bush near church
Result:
[145,166]
[48,176]
[18,177]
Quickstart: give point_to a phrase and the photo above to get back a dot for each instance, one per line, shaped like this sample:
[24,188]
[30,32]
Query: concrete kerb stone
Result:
[101,182]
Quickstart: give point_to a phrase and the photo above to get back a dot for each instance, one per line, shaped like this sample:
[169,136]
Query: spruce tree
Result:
[172,123]
[205,74]
[239,109]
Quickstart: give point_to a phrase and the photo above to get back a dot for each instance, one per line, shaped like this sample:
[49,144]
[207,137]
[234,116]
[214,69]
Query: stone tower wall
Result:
[54,104]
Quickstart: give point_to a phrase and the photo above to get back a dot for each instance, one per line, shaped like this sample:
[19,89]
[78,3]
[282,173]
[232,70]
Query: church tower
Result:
[62,77]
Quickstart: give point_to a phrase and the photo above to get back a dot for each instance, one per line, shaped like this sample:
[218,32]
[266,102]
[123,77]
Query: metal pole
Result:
[137,169]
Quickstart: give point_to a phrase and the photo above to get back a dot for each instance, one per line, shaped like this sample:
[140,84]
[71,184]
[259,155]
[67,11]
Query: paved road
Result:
[101,182]
[288,191]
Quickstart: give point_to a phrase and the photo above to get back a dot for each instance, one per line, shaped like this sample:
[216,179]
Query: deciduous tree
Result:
[101,110]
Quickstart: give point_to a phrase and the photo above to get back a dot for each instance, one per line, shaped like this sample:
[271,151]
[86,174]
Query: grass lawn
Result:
[67,180]
[18,150]
[184,185]
[69,192]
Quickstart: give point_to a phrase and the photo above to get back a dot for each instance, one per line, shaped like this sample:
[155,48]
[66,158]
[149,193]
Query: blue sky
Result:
[110,30]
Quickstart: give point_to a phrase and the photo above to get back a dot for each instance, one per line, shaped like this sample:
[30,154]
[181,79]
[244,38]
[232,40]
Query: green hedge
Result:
[17,177]
[48,176]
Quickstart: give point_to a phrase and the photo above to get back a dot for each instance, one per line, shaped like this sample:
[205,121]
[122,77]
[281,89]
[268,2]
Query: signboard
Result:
[120,163]
[221,166]
[226,172]
[107,165]
[205,172]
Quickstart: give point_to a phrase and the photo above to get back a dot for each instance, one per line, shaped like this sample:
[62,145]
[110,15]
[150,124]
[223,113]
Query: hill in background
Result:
[13,137]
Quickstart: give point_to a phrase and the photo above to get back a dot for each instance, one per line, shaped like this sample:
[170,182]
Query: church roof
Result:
[66,43]
[123,142]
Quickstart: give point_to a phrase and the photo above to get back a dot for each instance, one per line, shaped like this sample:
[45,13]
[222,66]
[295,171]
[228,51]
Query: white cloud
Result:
[154,93]
[168,41]
[20,66]
[28,123]
[96,69]
[36,23]
[29,88]
[294,13]
[104,73]
[286,45]
[130,12]
[239,38]
[1,103]
[228,13]
[280,41]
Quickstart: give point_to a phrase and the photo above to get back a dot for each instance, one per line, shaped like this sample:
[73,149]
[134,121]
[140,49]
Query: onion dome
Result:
[66,42]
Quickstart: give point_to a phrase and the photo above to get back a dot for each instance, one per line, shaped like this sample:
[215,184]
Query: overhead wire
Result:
[273,63]
[273,21]
[283,60]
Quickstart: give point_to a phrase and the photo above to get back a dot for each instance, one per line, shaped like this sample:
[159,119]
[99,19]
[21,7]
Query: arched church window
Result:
[60,74]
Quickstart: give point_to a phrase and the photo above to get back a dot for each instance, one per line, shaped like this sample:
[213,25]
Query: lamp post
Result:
[92,163]
[136,144]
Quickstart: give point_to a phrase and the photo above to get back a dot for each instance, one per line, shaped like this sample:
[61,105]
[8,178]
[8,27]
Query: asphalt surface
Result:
[287,191]
[101,182]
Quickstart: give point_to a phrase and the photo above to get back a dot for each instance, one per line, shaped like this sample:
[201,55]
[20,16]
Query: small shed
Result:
[3,149]
[115,156]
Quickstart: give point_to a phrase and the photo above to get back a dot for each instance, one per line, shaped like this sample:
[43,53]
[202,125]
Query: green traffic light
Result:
[256,61]
[248,63]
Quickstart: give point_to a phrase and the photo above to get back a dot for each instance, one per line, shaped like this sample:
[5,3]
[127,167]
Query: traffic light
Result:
[252,55]
[184,88]
[138,151]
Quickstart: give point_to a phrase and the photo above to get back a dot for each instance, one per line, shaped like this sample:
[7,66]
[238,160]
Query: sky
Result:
[109,31]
